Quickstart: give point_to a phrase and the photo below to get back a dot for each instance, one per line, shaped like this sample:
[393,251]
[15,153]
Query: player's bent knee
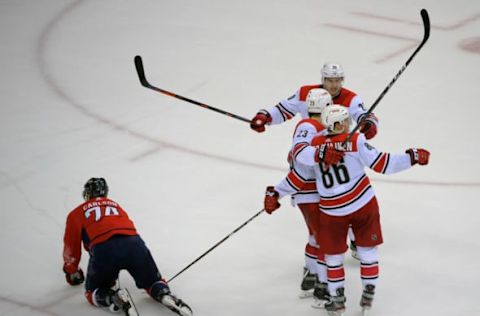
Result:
[368,254]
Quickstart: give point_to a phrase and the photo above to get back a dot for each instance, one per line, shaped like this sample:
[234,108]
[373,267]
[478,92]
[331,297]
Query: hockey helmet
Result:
[332,70]
[334,114]
[317,99]
[95,187]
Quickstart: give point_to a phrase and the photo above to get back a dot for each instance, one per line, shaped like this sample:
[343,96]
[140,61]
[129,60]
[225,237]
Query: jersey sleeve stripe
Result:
[381,163]
[375,161]
[295,180]
[298,148]
[386,163]
[286,114]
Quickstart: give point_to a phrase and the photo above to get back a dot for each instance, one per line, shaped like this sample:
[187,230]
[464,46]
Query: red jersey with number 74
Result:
[93,222]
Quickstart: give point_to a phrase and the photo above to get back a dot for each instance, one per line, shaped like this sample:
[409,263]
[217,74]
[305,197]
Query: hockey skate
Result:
[353,249]
[320,295]
[308,284]
[176,305]
[336,304]
[121,301]
[367,298]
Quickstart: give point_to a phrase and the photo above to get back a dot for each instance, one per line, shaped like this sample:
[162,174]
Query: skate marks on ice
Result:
[465,44]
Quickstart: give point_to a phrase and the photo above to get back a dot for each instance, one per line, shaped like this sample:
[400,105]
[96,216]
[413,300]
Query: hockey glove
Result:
[329,155]
[369,126]
[260,120]
[418,155]
[270,204]
[76,278]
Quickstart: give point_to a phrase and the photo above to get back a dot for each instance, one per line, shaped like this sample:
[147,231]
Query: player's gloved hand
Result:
[418,155]
[369,126]
[329,155]
[74,278]
[260,120]
[270,203]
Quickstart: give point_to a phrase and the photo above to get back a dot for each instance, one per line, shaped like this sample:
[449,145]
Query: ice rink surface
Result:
[72,108]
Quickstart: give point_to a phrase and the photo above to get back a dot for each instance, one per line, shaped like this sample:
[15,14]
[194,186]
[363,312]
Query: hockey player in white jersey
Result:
[333,77]
[347,199]
[307,197]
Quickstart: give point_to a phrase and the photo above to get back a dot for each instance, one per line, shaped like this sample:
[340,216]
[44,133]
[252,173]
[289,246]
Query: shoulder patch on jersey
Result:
[362,106]
[369,147]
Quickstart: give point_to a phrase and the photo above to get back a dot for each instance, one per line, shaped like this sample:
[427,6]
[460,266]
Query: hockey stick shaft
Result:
[426,35]
[146,84]
[216,245]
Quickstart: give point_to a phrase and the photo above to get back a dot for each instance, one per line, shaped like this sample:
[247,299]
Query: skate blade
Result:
[365,311]
[318,304]
[125,296]
[169,302]
[305,294]
[185,311]
[335,313]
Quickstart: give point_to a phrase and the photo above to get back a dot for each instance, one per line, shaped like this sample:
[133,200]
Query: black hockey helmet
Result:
[95,187]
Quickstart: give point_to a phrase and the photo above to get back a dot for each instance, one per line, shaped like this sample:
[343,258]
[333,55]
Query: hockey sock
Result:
[311,257]
[369,269]
[321,267]
[335,272]
[99,297]
[158,289]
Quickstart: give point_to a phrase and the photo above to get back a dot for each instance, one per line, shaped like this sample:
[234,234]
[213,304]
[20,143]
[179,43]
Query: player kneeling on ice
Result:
[113,243]
[347,199]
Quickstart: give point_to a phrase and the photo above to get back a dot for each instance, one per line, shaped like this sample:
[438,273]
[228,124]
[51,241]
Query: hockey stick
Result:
[146,84]
[216,245]
[426,35]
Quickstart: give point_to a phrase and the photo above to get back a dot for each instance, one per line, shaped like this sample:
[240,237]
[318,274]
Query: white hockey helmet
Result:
[317,99]
[332,70]
[332,114]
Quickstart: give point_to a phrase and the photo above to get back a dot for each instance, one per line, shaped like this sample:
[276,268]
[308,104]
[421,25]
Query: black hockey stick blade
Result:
[426,35]
[140,71]
[426,24]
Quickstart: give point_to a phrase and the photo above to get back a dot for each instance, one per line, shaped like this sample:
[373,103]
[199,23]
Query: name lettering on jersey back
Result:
[95,207]
[342,146]
[99,203]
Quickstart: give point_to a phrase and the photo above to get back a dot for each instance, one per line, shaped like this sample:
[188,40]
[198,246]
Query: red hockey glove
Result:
[418,155]
[74,278]
[270,203]
[329,155]
[369,126]
[260,120]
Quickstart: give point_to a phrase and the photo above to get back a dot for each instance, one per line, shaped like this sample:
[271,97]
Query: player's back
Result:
[100,219]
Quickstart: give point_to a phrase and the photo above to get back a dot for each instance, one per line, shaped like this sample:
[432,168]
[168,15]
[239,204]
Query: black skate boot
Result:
[320,295]
[161,292]
[336,304]
[308,283]
[120,301]
[176,305]
[367,297]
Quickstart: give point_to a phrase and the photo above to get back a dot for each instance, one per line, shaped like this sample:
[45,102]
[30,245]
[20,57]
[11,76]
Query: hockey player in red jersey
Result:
[347,199]
[333,76]
[111,239]
[306,198]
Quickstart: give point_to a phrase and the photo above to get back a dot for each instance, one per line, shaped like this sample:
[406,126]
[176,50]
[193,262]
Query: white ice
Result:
[72,108]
